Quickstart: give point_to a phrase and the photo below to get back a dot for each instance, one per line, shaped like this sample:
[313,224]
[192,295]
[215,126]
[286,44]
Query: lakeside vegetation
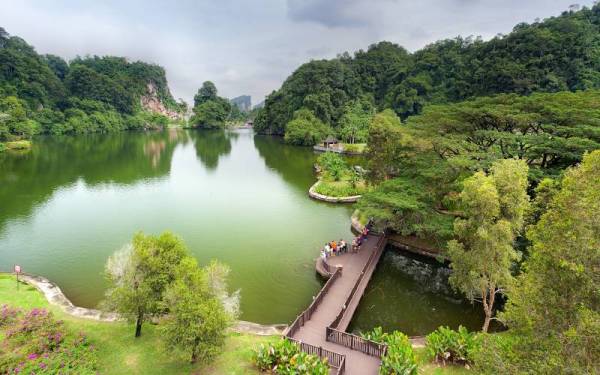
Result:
[118,352]
[477,147]
[44,94]
[337,178]
[490,150]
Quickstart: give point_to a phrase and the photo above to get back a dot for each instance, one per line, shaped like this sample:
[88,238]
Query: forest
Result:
[552,55]
[44,94]
[488,152]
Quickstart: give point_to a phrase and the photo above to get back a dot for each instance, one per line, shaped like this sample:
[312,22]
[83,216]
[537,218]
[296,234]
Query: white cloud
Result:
[251,47]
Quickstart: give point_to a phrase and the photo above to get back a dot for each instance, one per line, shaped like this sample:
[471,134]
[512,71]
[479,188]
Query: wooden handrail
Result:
[334,359]
[306,314]
[355,342]
[340,315]
[332,334]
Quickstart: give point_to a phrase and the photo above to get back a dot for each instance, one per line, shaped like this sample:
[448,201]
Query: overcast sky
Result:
[250,47]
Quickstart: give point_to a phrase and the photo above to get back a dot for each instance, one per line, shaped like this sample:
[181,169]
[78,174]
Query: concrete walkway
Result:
[313,331]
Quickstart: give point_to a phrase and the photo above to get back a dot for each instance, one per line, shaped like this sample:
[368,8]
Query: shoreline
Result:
[56,297]
[325,198]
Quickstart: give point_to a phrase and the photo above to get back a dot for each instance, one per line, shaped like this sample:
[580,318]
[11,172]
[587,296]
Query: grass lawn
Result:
[120,353]
[341,188]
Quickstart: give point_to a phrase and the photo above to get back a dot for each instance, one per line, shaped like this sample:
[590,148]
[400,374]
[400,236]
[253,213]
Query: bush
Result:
[333,165]
[34,342]
[447,345]
[305,129]
[285,357]
[18,145]
[399,358]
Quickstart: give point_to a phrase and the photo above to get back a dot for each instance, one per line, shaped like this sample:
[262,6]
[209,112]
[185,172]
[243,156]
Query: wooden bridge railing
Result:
[336,360]
[380,242]
[306,314]
[355,342]
[347,339]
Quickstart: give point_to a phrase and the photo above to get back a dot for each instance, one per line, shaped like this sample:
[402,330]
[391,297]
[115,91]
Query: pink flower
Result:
[32,356]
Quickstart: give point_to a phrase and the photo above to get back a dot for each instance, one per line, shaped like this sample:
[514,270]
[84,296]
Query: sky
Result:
[251,47]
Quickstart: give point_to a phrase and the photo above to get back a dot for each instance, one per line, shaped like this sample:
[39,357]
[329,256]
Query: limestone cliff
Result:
[151,102]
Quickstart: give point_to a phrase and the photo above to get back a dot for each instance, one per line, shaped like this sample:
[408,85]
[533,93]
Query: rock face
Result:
[151,102]
[244,102]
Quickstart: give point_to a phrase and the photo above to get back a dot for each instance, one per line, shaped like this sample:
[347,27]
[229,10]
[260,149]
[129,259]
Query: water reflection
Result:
[212,145]
[29,179]
[412,294]
[290,162]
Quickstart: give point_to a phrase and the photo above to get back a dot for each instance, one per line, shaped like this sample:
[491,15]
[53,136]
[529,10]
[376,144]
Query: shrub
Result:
[399,358]
[285,357]
[36,343]
[339,189]
[305,129]
[447,345]
[8,315]
[18,145]
[333,165]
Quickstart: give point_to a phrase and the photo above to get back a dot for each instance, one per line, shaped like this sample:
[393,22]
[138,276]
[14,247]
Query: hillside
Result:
[557,54]
[46,94]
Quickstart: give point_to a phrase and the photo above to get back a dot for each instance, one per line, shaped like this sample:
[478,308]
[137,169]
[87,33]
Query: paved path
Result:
[313,331]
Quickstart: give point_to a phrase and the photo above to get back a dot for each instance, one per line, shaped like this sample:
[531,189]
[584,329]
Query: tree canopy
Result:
[87,94]
[553,55]
[553,309]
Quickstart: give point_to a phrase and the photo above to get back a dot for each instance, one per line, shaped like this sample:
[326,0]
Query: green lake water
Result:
[70,202]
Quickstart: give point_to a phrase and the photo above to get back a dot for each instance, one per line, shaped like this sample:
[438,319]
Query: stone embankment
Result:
[56,297]
[325,198]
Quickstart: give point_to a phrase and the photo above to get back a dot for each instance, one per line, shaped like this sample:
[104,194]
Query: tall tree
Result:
[482,253]
[197,319]
[207,92]
[386,138]
[553,310]
[139,274]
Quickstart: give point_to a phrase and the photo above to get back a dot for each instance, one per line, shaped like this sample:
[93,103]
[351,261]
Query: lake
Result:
[70,202]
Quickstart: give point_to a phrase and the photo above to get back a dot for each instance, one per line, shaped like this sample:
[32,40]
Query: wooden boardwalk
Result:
[322,326]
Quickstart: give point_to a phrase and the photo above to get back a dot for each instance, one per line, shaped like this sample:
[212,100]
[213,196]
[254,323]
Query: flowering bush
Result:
[8,315]
[36,343]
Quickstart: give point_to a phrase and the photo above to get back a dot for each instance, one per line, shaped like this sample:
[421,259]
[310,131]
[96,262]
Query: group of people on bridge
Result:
[334,248]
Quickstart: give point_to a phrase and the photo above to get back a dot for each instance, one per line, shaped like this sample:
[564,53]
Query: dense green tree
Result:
[385,138]
[557,54]
[553,310]
[211,114]
[86,83]
[207,92]
[58,65]
[321,86]
[354,123]
[482,254]
[305,129]
[197,319]
[138,276]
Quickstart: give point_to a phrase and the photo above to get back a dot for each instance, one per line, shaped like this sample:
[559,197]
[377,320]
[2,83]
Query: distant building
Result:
[244,103]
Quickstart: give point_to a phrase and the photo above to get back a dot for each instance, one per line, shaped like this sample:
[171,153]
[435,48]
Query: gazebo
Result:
[330,140]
